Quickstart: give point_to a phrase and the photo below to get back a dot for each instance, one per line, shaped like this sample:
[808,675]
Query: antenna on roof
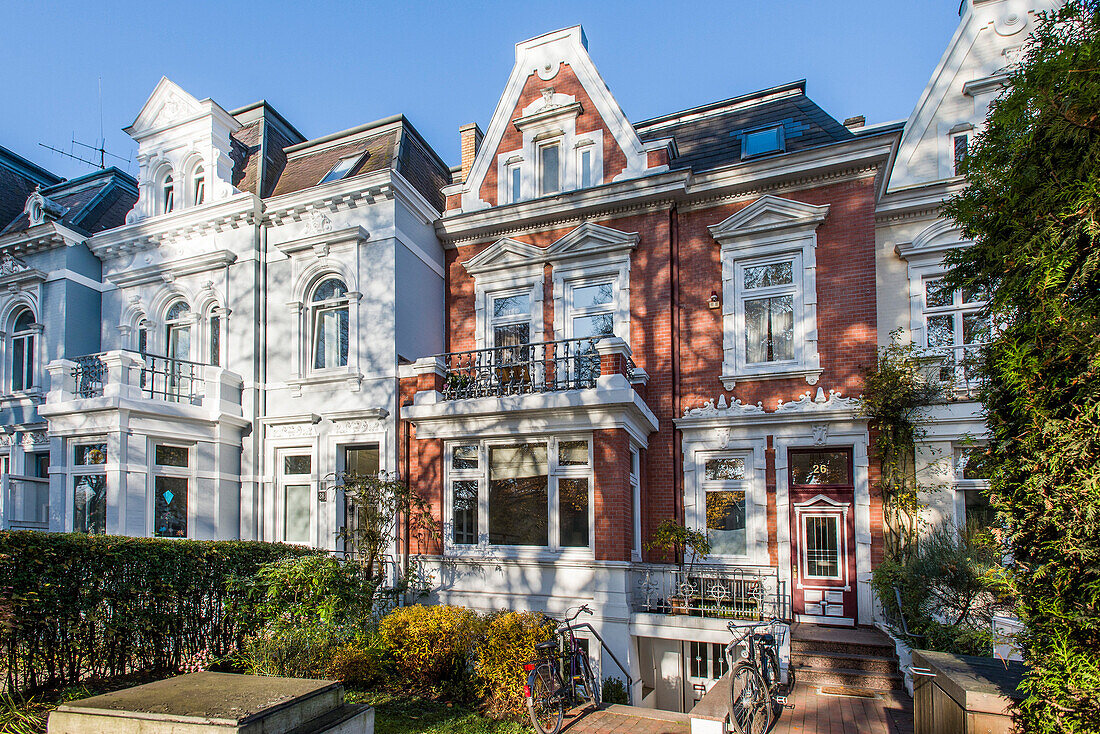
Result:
[97,148]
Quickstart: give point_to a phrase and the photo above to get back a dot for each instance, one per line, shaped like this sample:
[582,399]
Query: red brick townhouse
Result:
[646,321]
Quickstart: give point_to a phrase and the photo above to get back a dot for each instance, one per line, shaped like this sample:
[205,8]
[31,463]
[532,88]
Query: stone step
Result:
[827,647]
[849,677]
[879,664]
[347,719]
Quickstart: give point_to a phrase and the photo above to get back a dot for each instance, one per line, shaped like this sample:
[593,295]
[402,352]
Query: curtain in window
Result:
[769,329]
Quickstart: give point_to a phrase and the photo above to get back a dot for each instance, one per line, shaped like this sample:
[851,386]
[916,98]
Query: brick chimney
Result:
[471,136]
[854,123]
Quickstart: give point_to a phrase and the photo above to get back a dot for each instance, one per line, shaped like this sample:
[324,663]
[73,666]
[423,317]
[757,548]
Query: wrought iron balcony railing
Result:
[565,364]
[718,592]
[159,378]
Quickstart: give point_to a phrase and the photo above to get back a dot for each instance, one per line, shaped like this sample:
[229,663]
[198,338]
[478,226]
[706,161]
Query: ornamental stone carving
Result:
[710,409]
[34,438]
[358,425]
[318,223]
[9,265]
[818,403]
[290,430]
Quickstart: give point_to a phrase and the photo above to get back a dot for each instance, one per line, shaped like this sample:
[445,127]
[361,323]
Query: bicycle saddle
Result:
[765,637]
[548,645]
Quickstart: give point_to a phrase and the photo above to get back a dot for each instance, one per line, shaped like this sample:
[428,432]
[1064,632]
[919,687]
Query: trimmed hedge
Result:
[76,607]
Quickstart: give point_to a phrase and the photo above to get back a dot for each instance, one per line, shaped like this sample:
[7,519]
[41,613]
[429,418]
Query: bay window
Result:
[527,493]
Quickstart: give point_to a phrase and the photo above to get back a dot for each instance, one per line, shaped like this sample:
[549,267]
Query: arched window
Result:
[143,336]
[22,350]
[168,195]
[198,186]
[177,321]
[329,317]
[214,329]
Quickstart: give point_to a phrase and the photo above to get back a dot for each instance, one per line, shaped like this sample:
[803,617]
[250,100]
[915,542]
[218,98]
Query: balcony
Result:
[713,592]
[524,369]
[112,379]
[24,502]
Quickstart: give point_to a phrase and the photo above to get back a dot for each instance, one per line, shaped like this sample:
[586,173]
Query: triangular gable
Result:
[977,53]
[589,238]
[769,213]
[169,105]
[545,56]
[504,253]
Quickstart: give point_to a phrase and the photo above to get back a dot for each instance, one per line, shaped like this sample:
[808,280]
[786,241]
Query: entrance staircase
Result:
[845,659]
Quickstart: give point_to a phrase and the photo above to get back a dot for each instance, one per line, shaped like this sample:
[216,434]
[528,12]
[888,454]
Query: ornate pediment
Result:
[589,238]
[766,214]
[503,254]
[168,104]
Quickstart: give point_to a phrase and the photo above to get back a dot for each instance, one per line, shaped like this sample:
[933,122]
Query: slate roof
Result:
[708,137]
[97,201]
[388,143]
[18,178]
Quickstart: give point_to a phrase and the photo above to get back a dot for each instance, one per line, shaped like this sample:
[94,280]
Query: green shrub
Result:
[614,691]
[362,663]
[75,607]
[294,653]
[508,641]
[432,646]
[951,584]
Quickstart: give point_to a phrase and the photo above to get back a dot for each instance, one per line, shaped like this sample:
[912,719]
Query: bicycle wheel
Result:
[590,686]
[749,709]
[544,704]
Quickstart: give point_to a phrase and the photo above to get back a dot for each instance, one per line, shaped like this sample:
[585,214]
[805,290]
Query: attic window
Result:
[343,167]
[761,142]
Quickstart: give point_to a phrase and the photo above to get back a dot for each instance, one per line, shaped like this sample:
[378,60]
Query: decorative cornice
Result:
[321,243]
[232,213]
[45,236]
[168,270]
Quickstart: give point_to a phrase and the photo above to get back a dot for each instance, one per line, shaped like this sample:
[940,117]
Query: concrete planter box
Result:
[960,694]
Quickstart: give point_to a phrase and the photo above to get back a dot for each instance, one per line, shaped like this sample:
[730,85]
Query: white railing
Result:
[718,592]
[26,502]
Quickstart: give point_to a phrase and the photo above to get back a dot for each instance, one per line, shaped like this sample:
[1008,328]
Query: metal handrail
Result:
[603,646]
[518,369]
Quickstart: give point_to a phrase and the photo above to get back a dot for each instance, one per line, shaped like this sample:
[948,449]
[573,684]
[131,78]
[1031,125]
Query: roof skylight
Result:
[343,167]
[760,142]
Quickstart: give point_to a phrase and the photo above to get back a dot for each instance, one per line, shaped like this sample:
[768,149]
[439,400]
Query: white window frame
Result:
[742,295]
[512,169]
[840,518]
[755,504]
[282,479]
[156,470]
[768,230]
[555,472]
[527,280]
[540,169]
[961,485]
[32,348]
[584,150]
[79,470]
[493,321]
[957,310]
[546,121]
[315,309]
[183,322]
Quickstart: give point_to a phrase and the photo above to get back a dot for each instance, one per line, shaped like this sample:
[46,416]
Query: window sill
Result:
[354,380]
[780,372]
[19,396]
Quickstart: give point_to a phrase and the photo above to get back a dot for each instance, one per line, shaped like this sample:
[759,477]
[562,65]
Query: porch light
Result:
[713,302]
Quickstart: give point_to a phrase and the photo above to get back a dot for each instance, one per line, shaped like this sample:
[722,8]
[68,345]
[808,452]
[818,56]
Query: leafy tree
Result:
[896,390]
[1032,210]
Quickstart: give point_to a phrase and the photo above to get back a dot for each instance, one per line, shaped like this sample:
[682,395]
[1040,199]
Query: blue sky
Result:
[328,66]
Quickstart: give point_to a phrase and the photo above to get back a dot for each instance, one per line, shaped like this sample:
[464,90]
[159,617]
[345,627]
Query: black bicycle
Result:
[757,695]
[553,679]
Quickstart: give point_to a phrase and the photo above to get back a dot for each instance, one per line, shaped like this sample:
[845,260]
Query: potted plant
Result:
[688,546]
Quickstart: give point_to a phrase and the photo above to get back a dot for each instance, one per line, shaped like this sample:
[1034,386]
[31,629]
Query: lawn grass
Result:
[398,714]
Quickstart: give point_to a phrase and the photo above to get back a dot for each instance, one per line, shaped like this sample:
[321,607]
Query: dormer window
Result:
[168,194]
[762,142]
[199,186]
[550,168]
[343,168]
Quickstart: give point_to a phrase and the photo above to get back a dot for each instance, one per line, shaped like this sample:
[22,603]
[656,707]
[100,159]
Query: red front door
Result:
[822,535]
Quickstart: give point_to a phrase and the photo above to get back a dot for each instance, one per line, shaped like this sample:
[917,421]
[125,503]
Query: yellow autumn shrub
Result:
[508,641]
[432,646]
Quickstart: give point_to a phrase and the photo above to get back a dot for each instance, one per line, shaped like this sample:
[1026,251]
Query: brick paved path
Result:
[812,714]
